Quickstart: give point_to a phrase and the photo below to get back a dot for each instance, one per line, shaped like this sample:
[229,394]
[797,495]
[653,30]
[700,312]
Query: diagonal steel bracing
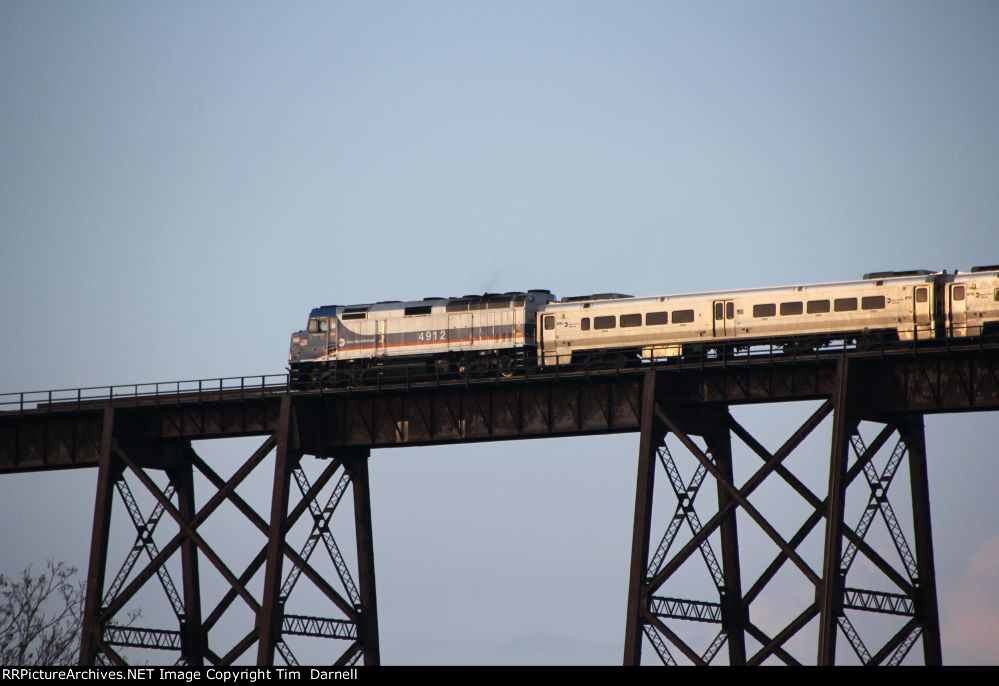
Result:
[915,598]
[123,455]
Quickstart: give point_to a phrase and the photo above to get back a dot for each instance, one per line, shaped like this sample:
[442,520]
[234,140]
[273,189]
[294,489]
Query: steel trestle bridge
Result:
[131,433]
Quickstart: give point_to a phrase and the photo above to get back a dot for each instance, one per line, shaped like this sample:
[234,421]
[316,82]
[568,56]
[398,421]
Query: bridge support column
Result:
[356,462]
[911,430]
[147,460]
[108,472]
[646,612]
[271,614]
[704,433]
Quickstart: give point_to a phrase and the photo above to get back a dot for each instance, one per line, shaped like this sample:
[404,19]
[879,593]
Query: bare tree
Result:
[40,616]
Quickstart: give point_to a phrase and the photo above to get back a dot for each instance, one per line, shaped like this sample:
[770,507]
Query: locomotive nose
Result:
[298,341]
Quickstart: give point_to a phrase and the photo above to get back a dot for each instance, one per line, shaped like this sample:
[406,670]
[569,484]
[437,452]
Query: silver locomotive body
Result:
[468,330]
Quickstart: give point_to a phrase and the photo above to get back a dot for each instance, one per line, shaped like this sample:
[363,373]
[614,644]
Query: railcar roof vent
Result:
[985,268]
[888,275]
[595,296]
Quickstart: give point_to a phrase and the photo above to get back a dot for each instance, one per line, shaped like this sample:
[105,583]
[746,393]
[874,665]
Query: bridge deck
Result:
[59,429]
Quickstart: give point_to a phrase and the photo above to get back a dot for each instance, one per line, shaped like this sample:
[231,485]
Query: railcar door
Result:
[958,310]
[922,312]
[724,318]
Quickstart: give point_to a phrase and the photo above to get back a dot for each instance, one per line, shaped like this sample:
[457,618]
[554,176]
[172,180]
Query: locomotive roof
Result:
[397,305]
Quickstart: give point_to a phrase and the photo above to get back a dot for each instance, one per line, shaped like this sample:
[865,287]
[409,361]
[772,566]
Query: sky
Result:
[180,182]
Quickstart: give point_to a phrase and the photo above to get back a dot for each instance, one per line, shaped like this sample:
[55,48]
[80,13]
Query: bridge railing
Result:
[160,392]
[375,378]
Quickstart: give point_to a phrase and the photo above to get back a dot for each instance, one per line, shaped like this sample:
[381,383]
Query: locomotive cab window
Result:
[958,292]
[549,322]
[631,320]
[608,322]
[683,316]
[313,326]
[922,295]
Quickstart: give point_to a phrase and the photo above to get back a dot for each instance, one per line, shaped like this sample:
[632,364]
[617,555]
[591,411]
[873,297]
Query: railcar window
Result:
[658,318]
[873,302]
[584,324]
[719,311]
[922,295]
[730,310]
[958,292]
[608,322]
[631,320]
[845,304]
[420,309]
[767,310]
[817,306]
[791,308]
[313,326]
[683,316]
[549,322]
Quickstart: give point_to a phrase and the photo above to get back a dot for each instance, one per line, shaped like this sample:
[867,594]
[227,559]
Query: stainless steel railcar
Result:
[665,326]
[972,302]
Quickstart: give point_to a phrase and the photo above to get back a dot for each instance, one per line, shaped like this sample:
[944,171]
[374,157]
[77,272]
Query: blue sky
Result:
[181,182]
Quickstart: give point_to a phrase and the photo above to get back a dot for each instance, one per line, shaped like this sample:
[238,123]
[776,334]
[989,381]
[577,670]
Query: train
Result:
[503,333]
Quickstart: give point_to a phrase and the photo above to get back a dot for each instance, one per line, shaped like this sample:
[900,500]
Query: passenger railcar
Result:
[664,326]
[972,302]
